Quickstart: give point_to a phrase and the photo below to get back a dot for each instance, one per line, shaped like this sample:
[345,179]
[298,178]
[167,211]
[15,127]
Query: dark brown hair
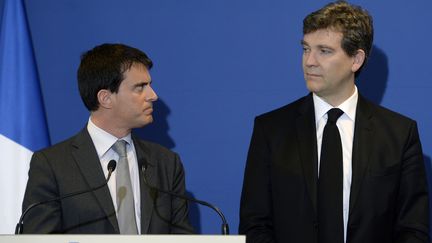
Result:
[354,22]
[103,67]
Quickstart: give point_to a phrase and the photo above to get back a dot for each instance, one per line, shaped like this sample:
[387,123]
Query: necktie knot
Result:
[333,115]
[120,148]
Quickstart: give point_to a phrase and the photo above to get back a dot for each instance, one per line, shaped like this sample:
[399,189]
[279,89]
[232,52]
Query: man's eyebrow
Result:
[143,82]
[304,43]
[325,47]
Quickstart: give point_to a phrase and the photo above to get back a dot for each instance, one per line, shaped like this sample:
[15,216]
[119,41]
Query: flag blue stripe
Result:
[21,107]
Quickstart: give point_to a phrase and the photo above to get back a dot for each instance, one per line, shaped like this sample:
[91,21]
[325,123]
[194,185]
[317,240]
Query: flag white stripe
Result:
[14,165]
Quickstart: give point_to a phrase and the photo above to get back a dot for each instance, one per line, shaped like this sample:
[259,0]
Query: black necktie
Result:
[330,183]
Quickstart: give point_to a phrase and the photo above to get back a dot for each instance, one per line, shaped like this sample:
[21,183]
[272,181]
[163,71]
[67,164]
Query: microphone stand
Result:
[19,226]
[154,190]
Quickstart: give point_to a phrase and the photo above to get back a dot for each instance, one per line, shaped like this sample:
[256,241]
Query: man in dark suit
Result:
[372,189]
[115,85]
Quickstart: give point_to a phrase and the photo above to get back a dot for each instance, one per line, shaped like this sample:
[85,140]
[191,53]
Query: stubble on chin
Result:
[312,86]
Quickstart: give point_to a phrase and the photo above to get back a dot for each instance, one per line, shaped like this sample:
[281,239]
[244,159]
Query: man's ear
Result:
[359,59]
[104,97]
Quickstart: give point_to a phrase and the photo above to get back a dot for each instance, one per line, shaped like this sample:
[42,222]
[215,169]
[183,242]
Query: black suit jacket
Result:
[388,199]
[73,165]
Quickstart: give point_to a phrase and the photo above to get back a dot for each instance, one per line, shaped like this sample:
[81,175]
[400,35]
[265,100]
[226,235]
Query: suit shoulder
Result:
[156,153]
[154,147]
[282,113]
[383,113]
[62,151]
[59,147]
[386,123]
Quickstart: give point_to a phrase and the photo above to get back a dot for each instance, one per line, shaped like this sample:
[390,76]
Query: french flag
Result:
[23,127]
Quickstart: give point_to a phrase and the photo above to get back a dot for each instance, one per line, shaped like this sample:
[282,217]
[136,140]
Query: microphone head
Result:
[112,165]
[143,163]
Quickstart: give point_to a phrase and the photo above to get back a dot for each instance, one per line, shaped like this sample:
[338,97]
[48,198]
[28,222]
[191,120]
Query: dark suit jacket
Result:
[388,200]
[73,165]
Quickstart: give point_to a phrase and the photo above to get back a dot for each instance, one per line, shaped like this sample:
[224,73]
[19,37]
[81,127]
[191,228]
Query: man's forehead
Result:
[323,37]
[137,73]
[139,65]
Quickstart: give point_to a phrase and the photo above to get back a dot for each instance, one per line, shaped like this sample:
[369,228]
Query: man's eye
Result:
[306,49]
[140,87]
[326,51]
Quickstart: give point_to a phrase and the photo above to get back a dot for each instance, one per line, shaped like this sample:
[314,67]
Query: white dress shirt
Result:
[103,141]
[345,125]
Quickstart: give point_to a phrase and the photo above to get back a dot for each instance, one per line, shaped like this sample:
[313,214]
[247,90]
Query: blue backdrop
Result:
[218,64]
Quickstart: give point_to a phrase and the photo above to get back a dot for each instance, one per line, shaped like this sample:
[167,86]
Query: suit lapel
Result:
[306,135]
[88,162]
[363,139]
[148,167]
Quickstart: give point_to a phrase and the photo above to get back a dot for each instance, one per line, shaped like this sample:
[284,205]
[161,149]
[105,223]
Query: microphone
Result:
[19,227]
[154,194]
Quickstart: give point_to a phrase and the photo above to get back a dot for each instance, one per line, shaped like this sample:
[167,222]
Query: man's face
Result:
[328,70]
[132,105]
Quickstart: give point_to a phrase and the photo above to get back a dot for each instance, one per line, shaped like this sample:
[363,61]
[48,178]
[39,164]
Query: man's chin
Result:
[148,121]
[144,122]
[312,87]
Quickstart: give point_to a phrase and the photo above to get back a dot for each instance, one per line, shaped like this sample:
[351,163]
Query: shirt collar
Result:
[349,106]
[103,140]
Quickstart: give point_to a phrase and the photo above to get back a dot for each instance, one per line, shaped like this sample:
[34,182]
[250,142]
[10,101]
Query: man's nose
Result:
[310,59]
[152,96]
